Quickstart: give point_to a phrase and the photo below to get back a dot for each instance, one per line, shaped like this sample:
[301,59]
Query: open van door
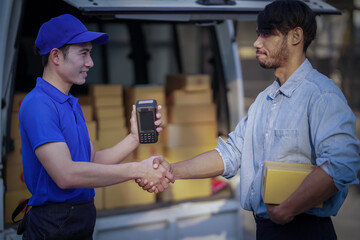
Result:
[10,15]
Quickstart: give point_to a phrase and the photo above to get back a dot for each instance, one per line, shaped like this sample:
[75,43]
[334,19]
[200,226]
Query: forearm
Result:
[118,152]
[205,165]
[66,173]
[317,187]
[88,175]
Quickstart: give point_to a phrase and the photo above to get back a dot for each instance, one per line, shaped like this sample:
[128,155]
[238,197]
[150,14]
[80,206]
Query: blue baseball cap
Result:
[65,29]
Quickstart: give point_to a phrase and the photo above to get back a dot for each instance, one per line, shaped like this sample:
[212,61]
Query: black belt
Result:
[68,204]
[302,216]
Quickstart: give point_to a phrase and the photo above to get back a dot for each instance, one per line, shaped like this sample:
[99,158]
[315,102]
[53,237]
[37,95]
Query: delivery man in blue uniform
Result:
[60,165]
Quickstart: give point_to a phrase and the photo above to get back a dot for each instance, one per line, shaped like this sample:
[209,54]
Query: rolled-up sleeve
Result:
[230,151]
[333,134]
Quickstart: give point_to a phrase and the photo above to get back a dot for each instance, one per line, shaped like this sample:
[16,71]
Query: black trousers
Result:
[303,227]
[61,221]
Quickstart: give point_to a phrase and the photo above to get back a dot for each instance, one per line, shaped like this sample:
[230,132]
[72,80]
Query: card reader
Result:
[146,116]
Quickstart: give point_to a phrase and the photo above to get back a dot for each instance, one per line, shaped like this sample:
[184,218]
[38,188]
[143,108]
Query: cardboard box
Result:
[97,90]
[15,126]
[99,198]
[84,99]
[281,179]
[196,82]
[15,157]
[126,194]
[109,137]
[190,188]
[130,158]
[107,101]
[187,189]
[177,154]
[92,130]
[109,112]
[141,92]
[12,199]
[145,151]
[198,113]
[87,112]
[178,135]
[182,97]
[96,145]
[17,100]
[14,177]
[109,123]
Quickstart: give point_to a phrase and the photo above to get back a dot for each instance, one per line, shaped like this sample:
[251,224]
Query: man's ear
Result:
[297,36]
[55,56]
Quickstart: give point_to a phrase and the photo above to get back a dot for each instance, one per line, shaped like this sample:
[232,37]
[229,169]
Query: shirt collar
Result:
[292,83]
[53,92]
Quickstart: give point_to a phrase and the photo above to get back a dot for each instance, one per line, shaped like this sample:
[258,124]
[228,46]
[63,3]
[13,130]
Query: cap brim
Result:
[95,37]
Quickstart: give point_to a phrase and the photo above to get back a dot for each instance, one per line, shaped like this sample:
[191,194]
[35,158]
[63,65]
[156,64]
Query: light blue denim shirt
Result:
[306,120]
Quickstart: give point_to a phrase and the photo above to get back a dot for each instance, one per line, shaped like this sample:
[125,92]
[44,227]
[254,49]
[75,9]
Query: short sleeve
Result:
[39,120]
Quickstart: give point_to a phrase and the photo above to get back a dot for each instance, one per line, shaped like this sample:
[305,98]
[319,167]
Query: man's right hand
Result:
[157,162]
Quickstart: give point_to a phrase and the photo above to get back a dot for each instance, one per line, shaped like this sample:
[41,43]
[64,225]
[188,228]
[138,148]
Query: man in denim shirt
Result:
[301,118]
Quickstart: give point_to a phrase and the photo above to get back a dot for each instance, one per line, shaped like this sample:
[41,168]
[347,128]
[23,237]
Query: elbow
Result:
[63,185]
[64,182]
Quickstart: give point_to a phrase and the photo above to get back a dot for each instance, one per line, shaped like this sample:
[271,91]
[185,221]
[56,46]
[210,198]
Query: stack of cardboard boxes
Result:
[129,193]
[143,92]
[16,190]
[88,112]
[192,129]
[108,106]
[125,194]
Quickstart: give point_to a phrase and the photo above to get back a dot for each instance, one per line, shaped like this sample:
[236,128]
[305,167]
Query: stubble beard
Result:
[280,57]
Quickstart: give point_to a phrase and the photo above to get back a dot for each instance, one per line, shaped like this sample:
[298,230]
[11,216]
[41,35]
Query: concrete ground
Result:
[347,222]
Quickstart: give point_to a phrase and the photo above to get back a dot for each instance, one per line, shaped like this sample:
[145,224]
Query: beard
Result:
[277,58]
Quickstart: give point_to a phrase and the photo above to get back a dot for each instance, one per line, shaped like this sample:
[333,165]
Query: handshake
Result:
[156,176]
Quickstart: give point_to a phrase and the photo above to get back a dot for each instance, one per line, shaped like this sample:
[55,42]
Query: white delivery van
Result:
[148,39]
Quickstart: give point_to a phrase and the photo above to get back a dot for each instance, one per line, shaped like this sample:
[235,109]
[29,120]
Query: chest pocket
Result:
[285,144]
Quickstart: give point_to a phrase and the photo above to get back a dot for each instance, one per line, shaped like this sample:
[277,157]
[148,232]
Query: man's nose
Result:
[89,62]
[257,43]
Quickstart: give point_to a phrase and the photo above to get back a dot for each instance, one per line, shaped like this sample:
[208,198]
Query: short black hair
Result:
[45,58]
[285,15]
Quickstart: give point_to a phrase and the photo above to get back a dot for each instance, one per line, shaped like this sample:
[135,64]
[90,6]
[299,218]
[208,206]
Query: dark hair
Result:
[45,58]
[285,15]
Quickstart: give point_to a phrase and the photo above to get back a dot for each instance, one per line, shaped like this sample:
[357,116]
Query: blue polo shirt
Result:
[47,115]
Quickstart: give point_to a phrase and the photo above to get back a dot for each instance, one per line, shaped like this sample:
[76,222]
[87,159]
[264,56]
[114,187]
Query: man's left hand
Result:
[277,214]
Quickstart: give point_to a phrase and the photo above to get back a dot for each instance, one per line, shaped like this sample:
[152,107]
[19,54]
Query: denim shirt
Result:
[306,120]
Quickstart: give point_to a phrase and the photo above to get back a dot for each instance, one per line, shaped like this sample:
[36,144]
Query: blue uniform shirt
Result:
[306,120]
[47,115]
